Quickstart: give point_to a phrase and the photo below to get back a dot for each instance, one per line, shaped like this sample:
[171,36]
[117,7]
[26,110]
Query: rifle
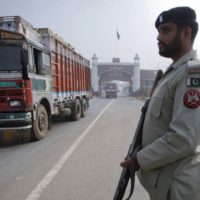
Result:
[135,146]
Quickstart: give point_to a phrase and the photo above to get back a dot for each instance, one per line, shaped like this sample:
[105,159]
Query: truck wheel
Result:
[40,125]
[83,107]
[76,110]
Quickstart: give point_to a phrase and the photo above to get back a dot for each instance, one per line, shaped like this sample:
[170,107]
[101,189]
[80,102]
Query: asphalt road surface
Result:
[77,160]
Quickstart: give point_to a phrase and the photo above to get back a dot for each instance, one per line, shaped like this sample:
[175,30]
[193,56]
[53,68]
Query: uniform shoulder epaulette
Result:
[193,66]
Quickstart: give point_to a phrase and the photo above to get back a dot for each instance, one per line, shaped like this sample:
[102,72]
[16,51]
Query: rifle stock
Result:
[135,146]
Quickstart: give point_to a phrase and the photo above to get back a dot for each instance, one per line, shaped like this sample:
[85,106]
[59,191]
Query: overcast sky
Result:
[90,25]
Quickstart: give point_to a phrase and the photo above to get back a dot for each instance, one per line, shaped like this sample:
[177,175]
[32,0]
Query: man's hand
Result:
[132,164]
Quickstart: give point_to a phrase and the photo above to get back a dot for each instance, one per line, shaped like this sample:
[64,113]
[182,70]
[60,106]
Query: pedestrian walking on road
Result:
[168,164]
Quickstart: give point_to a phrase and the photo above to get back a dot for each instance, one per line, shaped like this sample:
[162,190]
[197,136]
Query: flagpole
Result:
[116,46]
[117,37]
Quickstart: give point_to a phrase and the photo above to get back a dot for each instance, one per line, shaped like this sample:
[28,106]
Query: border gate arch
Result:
[115,70]
[115,75]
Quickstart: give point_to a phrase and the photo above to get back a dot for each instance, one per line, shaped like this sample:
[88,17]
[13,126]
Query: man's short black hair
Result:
[181,16]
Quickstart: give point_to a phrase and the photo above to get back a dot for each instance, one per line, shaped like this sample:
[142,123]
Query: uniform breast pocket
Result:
[155,106]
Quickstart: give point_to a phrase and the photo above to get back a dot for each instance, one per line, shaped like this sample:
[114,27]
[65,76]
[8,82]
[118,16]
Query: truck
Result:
[41,77]
[111,90]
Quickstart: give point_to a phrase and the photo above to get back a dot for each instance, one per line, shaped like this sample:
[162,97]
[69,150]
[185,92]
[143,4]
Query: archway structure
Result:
[115,71]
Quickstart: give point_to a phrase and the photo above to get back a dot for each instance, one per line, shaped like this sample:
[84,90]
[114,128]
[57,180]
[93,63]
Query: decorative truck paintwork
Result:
[41,76]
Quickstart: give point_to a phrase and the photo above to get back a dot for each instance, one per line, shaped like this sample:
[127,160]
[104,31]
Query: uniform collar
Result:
[191,55]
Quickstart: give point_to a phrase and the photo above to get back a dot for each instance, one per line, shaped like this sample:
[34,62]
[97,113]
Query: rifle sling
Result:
[132,176]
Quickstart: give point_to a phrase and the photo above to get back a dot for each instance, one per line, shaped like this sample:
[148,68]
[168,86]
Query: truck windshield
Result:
[10,58]
[111,86]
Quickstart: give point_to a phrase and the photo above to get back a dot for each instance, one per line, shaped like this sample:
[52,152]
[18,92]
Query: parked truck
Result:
[41,76]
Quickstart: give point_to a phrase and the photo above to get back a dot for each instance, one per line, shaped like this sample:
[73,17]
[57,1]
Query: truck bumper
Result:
[15,127]
[111,95]
[15,120]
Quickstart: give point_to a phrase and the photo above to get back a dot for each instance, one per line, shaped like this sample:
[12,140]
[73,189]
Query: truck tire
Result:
[83,107]
[40,125]
[76,110]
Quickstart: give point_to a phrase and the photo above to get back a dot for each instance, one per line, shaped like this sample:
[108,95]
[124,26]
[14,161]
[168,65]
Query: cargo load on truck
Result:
[41,76]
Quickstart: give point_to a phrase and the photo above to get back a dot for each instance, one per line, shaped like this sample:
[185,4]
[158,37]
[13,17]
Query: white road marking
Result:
[38,190]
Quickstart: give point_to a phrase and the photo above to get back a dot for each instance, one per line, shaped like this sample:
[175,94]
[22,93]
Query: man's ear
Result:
[187,33]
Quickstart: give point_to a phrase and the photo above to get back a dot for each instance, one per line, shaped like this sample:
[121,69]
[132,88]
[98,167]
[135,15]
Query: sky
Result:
[90,26]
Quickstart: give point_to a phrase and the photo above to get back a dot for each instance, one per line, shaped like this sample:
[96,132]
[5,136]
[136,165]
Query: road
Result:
[77,160]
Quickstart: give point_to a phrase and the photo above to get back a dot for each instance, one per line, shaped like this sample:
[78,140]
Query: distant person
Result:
[169,161]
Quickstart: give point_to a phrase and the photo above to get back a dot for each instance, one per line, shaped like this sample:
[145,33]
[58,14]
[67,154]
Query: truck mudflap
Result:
[15,135]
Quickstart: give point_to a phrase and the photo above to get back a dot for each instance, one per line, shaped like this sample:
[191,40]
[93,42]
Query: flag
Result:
[118,35]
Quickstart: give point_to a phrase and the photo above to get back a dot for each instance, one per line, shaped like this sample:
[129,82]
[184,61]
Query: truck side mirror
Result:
[42,70]
[24,61]
[24,56]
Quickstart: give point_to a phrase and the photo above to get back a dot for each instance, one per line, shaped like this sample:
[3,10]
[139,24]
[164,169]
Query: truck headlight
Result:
[15,103]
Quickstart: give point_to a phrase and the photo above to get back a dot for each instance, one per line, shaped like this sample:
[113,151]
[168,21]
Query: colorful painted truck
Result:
[41,76]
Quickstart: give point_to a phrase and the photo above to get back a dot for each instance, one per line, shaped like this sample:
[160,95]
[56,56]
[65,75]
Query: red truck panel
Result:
[70,71]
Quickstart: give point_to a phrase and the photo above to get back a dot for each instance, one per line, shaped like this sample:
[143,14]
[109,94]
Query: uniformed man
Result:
[169,162]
